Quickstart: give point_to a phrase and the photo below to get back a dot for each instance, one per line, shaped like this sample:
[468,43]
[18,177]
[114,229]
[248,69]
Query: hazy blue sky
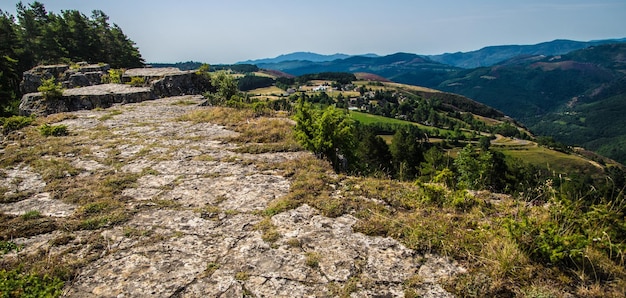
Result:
[237,30]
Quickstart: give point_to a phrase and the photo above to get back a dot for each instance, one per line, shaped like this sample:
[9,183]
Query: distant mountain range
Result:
[493,55]
[486,56]
[578,98]
[303,56]
[574,91]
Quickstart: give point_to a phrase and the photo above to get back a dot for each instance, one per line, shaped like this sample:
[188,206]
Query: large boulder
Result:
[81,75]
[184,83]
[86,98]
[77,80]
[84,89]
[31,79]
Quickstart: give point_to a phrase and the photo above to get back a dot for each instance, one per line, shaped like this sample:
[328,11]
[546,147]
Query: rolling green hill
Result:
[577,98]
[459,120]
[394,67]
[548,94]
[492,55]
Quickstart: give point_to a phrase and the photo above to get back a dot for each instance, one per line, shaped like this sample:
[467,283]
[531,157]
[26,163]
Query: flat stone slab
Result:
[152,72]
[105,89]
[41,203]
[194,229]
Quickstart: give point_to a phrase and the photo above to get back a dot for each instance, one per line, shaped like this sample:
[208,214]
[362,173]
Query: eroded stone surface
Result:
[194,227]
[41,203]
[22,179]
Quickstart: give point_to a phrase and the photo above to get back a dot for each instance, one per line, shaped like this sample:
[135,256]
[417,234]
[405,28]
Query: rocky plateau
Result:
[194,217]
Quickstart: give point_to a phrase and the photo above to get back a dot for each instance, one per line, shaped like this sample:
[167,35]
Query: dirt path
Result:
[194,229]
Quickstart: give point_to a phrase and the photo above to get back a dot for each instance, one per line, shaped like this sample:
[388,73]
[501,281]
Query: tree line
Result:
[36,36]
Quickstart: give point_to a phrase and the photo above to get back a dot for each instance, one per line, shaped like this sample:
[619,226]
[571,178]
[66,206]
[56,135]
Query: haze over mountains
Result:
[573,91]
[486,56]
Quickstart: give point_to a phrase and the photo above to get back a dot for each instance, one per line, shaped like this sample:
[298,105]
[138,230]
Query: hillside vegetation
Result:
[558,95]
[444,183]
[559,231]
[576,98]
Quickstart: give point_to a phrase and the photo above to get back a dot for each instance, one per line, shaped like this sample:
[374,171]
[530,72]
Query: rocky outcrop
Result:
[84,90]
[181,84]
[194,217]
[69,77]
[150,74]
[86,98]
[31,79]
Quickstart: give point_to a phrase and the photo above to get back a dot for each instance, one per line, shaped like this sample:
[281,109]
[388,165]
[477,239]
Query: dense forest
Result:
[36,36]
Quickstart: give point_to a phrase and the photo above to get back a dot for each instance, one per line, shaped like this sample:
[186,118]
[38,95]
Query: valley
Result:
[536,87]
[490,173]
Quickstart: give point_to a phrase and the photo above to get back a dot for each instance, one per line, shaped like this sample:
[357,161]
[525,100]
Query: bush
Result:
[14,123]
[136,82]
[50,89]
[329,133]
[53,130]
[556,239]
[17,284]
[113,77]
[8,246]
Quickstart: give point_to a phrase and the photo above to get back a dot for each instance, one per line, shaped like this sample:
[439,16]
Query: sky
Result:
[224,32]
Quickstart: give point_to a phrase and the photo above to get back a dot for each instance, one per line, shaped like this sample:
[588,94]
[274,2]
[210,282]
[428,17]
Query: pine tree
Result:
[329,133]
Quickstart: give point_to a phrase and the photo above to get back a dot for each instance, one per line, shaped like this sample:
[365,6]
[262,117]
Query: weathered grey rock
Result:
[163,82]
[194,226]
[31,79]
[41,203]
[86,98]
[76,80]
[91,68]
[84,75]
[152,73]
[94,77]
[21,180]
[187,83]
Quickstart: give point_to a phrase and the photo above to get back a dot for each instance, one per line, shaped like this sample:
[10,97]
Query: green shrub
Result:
[53,130]
[32,214]
[549,240]
[114,76]
[7,246]
[312,259]
[137,82]
[17,284]
[14,123]
[463,201]
[50,89]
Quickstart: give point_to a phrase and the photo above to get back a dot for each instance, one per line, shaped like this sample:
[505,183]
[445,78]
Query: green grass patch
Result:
[53,130]
[14,123]
[556,161]
[8,246]
[110,115]
[366,118]
[32,214]
[14,283]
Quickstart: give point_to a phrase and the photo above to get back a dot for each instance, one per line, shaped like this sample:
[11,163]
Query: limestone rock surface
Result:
[194,217]
[84,89]
[86,98]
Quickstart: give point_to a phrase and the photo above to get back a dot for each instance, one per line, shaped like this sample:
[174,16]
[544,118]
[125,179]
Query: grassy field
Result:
[556,161]
[366,118]
[266,91]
